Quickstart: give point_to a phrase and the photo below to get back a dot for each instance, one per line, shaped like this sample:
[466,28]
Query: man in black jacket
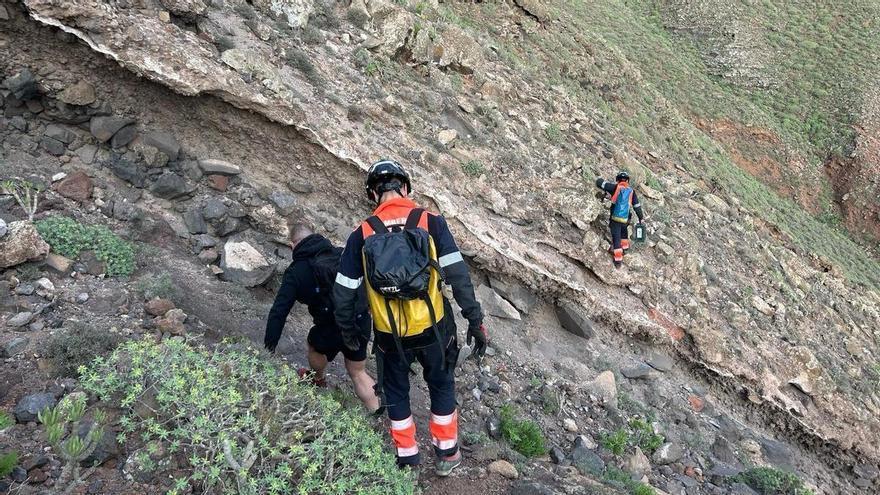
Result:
[301,284]
[623,202]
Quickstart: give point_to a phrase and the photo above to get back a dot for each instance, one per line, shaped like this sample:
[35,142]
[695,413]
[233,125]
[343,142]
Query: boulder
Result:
[82,93]
[495,305]
[660,362]
[103,128]
[243,264]
[164,142]
[218,167]
[76,186]
[267,219]
[447,136]
[172,322]
[30,405]
[3,227]
[572,321]
[636,372]
[86,153]
[171,186]
[586,460]
[504,468]
[22,85]
[128,170]
[21,243]
[604,388]
[214,209]
[14,346]
[152,156]
[45,287]
[218,182]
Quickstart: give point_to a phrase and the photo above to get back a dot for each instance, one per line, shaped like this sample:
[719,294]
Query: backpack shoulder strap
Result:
[414,218]
[377,225]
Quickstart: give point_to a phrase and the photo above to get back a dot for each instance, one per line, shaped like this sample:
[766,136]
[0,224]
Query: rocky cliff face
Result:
[285,103]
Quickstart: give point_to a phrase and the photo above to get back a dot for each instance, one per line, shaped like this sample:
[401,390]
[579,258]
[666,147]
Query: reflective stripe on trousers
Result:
[444,433]
[403,433]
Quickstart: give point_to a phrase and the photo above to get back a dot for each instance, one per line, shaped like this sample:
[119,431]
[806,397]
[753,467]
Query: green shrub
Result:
[150,286]
[6,420]
[554,133]
[76,344]
[769,481]
[7,462]
[73,436]
[622,479]
[643,435]
[524,435]
[69,238]
[246,424]
[473,168]
[616,442]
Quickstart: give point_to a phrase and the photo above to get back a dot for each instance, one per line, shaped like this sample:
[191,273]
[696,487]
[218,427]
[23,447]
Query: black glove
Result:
[351,340]
[478,333]
[270,346]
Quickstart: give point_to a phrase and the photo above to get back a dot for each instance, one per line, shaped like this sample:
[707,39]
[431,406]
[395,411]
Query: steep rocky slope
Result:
[756,299]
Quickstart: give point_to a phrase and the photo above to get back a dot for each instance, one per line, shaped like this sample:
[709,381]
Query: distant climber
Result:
[399,254]
[309,280]
[623,202]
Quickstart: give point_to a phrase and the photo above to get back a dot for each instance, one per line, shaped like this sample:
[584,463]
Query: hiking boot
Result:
[618,264]
[446,464]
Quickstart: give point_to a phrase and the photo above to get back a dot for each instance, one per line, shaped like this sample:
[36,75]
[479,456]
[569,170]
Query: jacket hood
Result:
[310,246]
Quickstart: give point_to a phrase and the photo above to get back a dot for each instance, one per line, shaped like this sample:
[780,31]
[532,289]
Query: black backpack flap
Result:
[398,263]
[325,266]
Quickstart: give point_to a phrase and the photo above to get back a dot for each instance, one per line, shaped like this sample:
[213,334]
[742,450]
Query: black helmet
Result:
[384,176]
[622,175]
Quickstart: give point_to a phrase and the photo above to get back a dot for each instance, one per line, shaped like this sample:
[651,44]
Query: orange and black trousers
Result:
[438,369]
[619,239]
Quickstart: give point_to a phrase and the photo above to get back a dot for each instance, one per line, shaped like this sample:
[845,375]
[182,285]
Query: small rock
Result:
[76,186]
[52,146]
[763,306]
[214,209]
[20,319]
[660,362]
[170,186]
[24,289]
[172,322]
[604,388]
[22,84]
[14,346]
[59,133]
[86,153]
[35,462]
[103,128]
[45,287]
[557,455]
[504,469]
[300,187]
[218,167]
[585,441]
[493,304]
[58,263]
[668,453]
[208,256]
[3,227]
[520,296]
[82,93]
[637,464]
[18,474]
[636,372]
[572,321]
[158,306]
[218,182]
[36,326]
[82,298]
[665,248]
[58,176]
[285,202]
[164,142]
[243,264]
[493,426]
[195,222]
[587,461]
[30,405]
[569,425]
[447,136]
[123,136]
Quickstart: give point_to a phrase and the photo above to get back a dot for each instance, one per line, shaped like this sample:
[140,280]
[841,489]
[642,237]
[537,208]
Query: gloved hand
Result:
[351,340]
[270,346]
[478,333]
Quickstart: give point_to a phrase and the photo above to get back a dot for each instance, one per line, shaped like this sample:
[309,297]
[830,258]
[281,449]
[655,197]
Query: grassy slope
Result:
[659,82]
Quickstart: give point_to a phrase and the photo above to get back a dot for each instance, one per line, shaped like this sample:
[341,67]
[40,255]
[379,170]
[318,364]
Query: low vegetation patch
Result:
[769,481]
[622,479]
[7,462]
[76,344]
[523,434]
[246,424]
[473,168]
[637,433]
[5,420]
[150,286]
[69,238]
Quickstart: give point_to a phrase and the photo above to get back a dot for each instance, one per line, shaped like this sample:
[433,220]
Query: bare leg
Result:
[363,384]
[318,363]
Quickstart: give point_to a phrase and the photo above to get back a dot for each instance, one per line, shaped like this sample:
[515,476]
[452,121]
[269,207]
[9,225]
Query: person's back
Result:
[307,281]
[416,327]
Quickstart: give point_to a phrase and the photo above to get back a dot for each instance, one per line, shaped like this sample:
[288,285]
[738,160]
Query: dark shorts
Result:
[328,341]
